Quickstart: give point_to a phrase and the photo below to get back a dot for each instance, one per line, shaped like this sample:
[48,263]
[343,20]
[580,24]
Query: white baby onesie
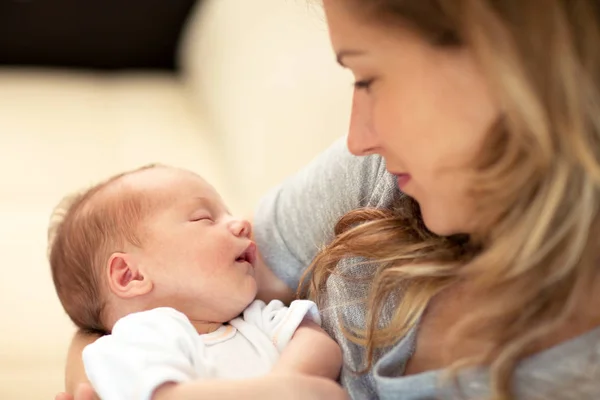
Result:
[150,348]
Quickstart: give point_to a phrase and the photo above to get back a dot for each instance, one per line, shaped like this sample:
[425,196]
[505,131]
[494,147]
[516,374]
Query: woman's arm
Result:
[75,372]
[270,387]
[274,386]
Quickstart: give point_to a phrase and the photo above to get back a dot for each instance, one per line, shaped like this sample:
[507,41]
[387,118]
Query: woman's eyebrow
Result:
[347,53]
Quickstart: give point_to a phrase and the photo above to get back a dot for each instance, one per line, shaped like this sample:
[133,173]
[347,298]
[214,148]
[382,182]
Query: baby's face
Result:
[199,257]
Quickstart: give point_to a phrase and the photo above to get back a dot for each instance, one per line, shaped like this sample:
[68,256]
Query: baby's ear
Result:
[125,279]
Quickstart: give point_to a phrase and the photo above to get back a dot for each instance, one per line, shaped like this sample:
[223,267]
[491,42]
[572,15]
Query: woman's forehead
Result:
[352,34]
[344,26]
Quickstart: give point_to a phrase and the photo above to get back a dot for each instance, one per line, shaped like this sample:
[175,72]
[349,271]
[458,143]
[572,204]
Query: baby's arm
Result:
[311,351]
[302,345]
[144,351]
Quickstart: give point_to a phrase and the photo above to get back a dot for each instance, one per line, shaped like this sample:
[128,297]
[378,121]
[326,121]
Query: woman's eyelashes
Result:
[364,84]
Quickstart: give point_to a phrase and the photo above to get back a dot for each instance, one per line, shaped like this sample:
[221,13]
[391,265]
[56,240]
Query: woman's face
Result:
[425,109]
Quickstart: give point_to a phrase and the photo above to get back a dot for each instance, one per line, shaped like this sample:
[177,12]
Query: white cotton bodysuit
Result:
[148,349]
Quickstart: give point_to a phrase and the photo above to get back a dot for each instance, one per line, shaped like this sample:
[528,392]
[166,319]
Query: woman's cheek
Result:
[386,121]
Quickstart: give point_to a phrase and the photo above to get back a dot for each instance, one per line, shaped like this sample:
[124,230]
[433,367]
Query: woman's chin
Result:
[439,224]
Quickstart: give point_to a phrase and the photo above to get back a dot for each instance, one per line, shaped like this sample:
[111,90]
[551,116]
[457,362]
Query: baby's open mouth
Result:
[249,255]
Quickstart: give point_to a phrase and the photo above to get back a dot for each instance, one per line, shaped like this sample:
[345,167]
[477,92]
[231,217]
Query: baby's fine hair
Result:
[85,229]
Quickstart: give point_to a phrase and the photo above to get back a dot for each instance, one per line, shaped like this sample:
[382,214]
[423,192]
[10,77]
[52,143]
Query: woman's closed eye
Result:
[364,84]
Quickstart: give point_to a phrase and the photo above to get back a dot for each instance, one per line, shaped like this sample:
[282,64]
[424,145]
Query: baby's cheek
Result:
[210,259]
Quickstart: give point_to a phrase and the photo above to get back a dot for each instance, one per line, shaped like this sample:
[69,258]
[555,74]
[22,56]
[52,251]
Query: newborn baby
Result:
[153,259]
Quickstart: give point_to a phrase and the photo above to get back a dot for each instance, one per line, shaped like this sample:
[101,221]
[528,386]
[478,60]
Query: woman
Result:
[475,279]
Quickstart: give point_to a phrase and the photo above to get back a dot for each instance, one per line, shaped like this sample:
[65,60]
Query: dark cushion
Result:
[94,34]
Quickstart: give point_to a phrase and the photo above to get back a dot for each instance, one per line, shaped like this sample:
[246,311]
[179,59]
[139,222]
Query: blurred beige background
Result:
[260,95]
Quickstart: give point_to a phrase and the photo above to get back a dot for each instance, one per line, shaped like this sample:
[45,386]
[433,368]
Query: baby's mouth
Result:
[249,255]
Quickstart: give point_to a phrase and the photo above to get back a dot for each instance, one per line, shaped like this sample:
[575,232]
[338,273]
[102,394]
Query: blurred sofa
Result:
[256,80]
[254,93]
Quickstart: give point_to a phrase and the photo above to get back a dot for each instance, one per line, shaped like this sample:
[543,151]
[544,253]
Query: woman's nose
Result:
[240,228]
[362,139]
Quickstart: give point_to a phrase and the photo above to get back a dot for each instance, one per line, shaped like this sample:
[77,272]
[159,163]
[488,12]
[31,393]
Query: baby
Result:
[153,259]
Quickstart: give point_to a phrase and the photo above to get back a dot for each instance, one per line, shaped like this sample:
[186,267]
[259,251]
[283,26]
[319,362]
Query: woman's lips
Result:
[403,180]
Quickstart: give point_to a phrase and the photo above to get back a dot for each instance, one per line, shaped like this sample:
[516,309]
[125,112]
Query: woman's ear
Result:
[125,278]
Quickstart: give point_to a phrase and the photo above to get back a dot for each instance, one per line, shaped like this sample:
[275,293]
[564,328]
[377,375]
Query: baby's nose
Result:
[241,227]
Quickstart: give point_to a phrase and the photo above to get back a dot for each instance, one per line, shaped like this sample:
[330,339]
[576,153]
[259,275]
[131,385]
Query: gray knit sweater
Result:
[297,218]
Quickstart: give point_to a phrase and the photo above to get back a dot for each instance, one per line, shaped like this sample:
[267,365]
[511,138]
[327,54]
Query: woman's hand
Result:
[270,287]
[84,392]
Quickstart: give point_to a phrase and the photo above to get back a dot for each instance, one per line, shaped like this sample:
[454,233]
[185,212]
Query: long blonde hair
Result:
[538,181]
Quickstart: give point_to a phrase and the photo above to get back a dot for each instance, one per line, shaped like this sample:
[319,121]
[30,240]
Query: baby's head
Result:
[153,237]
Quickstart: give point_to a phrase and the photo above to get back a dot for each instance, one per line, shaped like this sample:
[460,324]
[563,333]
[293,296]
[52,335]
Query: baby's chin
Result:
[247,301]
[217,307]
[235,309]
[251,298]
